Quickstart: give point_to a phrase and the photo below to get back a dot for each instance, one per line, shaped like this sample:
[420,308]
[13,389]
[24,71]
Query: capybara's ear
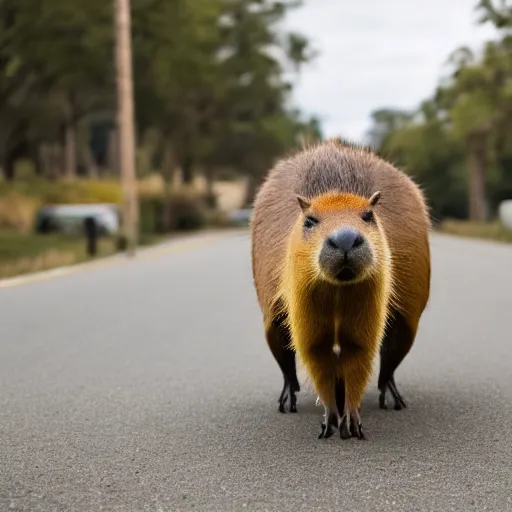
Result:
[304,204]
[374,199]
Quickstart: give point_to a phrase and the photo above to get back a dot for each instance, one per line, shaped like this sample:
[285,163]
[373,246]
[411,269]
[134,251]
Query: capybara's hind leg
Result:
[397,342]
[278,340]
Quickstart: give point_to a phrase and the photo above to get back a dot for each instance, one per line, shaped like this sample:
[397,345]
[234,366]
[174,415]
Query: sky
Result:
[376,53]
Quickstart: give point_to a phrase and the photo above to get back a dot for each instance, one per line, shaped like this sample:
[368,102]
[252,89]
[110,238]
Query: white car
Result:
[70,218]
[505,211]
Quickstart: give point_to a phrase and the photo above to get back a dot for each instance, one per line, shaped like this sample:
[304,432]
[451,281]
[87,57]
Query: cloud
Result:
[377,54]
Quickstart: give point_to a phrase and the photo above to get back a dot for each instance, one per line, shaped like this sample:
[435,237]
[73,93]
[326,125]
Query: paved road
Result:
[147,386]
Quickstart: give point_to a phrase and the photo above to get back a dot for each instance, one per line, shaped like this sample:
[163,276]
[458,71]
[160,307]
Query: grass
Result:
[22,251]
[25,253]
[488,230]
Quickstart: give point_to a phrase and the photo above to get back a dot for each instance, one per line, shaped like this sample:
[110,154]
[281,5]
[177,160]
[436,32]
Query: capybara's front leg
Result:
[331,419]
[356,371]
[320,367]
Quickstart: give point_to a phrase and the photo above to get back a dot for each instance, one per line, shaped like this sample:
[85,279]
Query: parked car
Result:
[70,219]
[240,217]
[505,212]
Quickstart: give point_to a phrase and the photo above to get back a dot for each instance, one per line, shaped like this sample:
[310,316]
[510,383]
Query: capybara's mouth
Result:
[346,274]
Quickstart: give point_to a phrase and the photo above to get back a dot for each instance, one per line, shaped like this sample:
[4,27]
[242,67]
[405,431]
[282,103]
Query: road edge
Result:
[174,245]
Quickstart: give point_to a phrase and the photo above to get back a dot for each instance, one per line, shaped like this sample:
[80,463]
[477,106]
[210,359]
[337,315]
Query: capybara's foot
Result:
[350,426]
[330,421]
[391,386]
[326,432]
[288,393]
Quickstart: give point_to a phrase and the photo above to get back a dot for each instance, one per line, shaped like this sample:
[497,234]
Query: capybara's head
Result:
[341,237]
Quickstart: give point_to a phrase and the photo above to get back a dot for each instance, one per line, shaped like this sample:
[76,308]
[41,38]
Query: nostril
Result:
[358,241]
[331,243]
[344,240]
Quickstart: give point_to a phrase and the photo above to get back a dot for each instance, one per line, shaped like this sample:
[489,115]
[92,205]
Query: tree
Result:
[207,74]
[386,121]
[500,17]
[126,122]
[55,50]
[479,104]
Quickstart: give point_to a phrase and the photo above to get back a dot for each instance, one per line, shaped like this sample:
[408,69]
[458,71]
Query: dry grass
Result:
[230,194]
[23,253]
[46,261]
[17,211]
[20,201]
[489,231]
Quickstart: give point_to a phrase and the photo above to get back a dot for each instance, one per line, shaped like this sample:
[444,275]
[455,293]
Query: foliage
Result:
[457,143]
[484,230]
[80,191]
[181,211]
[210,76]
[27,252]
[17,211]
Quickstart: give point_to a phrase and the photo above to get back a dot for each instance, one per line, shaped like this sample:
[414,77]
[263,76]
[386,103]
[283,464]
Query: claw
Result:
[345,432]
[350,426]
[358,432]
[282,401]
[330,420]
[326,431]
[382,399]
[399,401]
[286,393]
[293,402]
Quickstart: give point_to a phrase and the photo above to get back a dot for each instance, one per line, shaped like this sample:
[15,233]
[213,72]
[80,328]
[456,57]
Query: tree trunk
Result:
[36,159]
[167,174]
[70,150]
[9,164]
[58,161]
[250,191]
[476,179]
[113,153]
[90,162]
[46,159]
[126,123]
[209,175]
[187,169]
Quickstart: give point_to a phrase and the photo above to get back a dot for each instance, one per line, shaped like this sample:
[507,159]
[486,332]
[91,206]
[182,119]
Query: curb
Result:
[175,245]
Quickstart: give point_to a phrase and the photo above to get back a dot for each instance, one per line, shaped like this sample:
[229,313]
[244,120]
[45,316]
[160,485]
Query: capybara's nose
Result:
[345,239]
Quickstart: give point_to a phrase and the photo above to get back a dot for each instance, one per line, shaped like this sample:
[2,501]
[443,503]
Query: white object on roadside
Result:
[505,212]
[69,217]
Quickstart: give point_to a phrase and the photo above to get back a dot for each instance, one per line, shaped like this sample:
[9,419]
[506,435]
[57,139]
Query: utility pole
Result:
[125,122]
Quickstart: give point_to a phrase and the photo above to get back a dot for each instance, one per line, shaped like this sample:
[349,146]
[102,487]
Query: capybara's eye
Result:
[310,222]
[367,216]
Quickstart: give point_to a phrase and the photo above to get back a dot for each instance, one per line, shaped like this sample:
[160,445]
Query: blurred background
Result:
[221,88]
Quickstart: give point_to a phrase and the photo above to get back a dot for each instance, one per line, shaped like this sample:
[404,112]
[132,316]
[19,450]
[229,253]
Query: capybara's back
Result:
[326,170]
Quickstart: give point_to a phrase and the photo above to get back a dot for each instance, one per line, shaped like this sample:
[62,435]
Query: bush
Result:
[185,211]
[86,192]
[20,201]
[68,192]
[150,214]
[485,230]
[17,211]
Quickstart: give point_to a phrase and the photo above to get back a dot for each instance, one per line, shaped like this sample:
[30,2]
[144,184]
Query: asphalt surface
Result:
[148,386]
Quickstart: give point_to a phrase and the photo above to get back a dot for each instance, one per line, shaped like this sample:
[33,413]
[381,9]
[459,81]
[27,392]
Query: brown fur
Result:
[338,180]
